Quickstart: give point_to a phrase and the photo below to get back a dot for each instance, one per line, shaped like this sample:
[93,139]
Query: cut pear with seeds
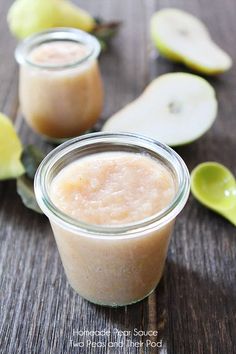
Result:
[181,37]
[175,109]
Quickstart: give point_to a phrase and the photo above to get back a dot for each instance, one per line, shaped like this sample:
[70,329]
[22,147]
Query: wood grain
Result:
[194,306]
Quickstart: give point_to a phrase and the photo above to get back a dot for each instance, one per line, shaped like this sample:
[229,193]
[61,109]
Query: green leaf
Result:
[105,31]
[31,158]
[25,189]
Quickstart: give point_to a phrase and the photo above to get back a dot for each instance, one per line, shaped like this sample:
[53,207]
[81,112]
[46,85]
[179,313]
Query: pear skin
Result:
[10,150]
[72,16]
[26,17]
[175,108]
[181,37]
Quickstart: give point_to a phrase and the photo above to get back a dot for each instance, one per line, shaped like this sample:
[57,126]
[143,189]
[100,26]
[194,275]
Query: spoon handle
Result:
[230,214]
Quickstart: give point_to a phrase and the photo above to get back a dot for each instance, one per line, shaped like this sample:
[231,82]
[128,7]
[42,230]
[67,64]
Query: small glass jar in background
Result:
[63,99]
[112,265]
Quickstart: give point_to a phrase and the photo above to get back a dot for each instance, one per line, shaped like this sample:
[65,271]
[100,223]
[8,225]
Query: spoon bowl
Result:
[213,185]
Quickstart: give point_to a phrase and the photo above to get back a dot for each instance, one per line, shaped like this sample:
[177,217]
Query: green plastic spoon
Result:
[213,185]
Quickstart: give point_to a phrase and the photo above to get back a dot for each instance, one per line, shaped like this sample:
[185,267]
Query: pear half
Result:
[181,37]
[176,109]
[26,17]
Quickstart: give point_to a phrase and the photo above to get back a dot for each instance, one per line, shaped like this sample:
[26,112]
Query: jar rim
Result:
[57,34]
[133,229]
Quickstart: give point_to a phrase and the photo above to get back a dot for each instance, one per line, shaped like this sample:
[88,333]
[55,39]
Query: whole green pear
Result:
[26,17]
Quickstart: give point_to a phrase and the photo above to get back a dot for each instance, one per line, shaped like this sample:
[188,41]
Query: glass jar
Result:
[119,264]
[63,99]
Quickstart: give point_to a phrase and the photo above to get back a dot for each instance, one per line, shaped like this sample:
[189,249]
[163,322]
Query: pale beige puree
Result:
[64,101]
[113,188]
[58,53]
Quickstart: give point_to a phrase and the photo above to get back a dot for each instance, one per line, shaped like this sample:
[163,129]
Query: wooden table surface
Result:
[194,307]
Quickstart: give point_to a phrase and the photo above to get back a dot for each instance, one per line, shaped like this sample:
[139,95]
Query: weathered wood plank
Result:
[198,294]
[8,67]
